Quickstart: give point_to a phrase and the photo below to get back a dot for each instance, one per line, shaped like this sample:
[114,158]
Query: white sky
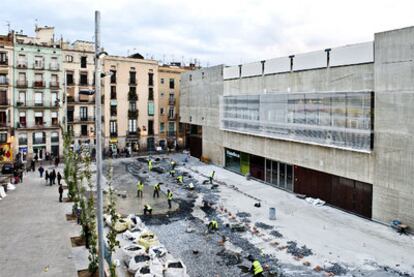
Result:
[213,31]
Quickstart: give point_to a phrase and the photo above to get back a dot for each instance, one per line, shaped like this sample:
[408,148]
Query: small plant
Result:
[113,243]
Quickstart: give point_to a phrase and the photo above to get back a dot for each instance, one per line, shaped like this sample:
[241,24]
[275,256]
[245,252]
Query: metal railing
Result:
[4,102]
[4,81]
[4,62]
[21,83]
[54,84]
[39,84]
[34,104]
[39,65]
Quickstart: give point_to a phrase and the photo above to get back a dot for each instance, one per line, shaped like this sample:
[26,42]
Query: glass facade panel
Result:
[338,119]
[232,160]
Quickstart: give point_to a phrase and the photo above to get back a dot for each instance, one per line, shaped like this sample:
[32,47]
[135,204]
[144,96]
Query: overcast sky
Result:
[213,31]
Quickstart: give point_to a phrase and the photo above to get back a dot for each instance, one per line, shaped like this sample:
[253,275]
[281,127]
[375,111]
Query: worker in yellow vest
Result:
[140,188]
[149,165]
[211,177]
[169,198]
[180,179]
[213,225]
[256,268]
[157,189]
[147,209]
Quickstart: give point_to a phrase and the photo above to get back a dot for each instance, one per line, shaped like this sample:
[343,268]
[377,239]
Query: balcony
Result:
[37,105]
[39,66]
[22,64]
[171,101]
[132,114]
[21,84]
[83,119]
[4,62]
[39,84]
[54,84]
[43,125]
[54,66]
[132,96]
[4,102]
[4,125]
[132,134]
[4,81]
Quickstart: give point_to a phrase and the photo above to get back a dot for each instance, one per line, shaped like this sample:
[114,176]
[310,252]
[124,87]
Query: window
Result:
[172,83]
[53,99]
[150,108]
[69,58]
[132,125]
[84,130]
[113,110]
[132,106]
[171,127]
[22,97]
[162,127]
[39,62]
[113,92]
[3,137]
[38,98]
[21,61]
[83,113]
[83,61]
[171,112]
[150,127]
[3,79]
[84,78]
[54,65]
[54,80]
[132,78]
[39,138]
[54,137]
[150,79]
[150,94]
[113,127]
[3,118]
[3,97]
[3,58]
[22,119]
[69,78]
[162,80]
[113,76]
[161,110]
[22,139]
[22,76]
[39,118]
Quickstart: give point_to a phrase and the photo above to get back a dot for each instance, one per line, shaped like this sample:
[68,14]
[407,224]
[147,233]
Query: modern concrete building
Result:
[79,70]
[6,92]
[170,133]
[334,124]
[37,94]
[131,103]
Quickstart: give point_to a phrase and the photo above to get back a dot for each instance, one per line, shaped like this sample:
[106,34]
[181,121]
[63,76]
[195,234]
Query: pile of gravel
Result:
[276,234]
[263,225]
[296,251]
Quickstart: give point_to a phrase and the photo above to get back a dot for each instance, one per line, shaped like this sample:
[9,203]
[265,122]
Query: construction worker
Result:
[211,177]
[169,198]
[147,209]
[213,225]
[157,189]
[180,179]
[149,165]
[140,188]
[172,172]
[173,164]
[256,268]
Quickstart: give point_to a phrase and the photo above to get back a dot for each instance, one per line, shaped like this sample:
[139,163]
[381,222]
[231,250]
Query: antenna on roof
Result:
[36,23]
[8,26]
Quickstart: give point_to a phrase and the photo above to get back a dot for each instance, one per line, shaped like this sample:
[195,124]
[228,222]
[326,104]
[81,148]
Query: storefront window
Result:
[233,160]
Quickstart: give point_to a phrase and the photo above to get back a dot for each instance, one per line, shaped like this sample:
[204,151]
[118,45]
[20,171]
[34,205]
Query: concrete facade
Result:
[387,166]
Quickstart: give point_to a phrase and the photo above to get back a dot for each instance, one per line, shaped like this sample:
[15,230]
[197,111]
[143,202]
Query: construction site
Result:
[288,235]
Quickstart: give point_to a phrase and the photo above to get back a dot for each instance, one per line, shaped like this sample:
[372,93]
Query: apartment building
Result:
[334,124]
[170,131]
[38,105]
[6,90]
[79,69]
[130,103]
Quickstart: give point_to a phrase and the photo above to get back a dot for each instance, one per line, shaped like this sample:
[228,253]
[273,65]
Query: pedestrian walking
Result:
[172,172]
[57,161]
[157,189]
[180,179]
[41,170]
[211,177]
[213,225]
[59,178]
[32,163]
[140,188]
[169,198]
[149,165]
[36,158]
[53,177]
[60,192]
[47,176]
[256,268]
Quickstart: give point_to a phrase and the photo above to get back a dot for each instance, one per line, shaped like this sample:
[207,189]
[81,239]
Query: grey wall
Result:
[394,126]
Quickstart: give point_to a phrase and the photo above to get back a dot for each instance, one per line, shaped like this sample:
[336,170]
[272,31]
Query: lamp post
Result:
[98,132]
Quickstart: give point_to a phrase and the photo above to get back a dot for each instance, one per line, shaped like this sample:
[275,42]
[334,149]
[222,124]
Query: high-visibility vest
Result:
[212,174]
[214,224]
[147,207]
[257,267]
[140,186]
[150,164]
[170,196]
[180,179]
[157,187]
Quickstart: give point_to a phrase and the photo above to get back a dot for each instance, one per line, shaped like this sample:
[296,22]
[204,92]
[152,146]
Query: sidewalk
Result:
[333,235]
[34,233]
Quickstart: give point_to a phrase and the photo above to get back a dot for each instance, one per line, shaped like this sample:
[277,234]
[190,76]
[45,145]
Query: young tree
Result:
[113,243]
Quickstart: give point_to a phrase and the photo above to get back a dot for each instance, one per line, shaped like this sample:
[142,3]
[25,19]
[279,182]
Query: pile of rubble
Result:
[142,253]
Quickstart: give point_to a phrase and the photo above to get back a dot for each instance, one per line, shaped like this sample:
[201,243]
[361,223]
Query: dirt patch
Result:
[70,217]
[86,273]
[77,241]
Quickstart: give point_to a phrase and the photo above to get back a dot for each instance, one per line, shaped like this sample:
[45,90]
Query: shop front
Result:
[232,160]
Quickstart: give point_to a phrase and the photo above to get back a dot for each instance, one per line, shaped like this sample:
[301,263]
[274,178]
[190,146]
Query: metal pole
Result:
[99,211]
